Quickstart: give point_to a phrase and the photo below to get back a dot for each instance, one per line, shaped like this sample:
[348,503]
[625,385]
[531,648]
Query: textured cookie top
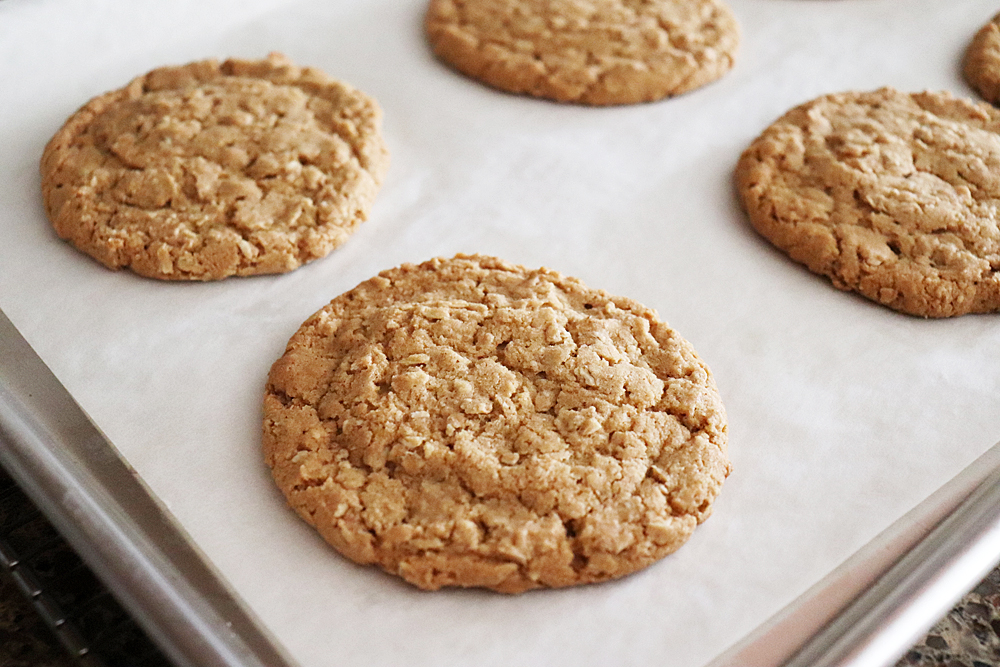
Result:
[893,195]
[209,170]
[588,51]
[982,61]
[468,422]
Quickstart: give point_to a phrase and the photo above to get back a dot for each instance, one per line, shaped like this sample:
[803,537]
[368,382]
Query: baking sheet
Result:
[843,415]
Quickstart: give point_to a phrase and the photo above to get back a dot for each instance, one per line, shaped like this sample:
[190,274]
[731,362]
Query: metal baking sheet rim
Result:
[73,473]
[78,479]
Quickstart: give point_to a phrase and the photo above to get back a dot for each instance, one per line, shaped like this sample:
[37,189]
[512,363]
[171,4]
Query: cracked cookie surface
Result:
[597,52]
[893,195]
[982,61]
[468,422]
[208,170]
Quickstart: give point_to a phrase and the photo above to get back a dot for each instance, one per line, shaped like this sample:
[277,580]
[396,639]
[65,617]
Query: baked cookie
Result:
[210,170]
[468,422]
[598,52]
[892,195]
[982,61]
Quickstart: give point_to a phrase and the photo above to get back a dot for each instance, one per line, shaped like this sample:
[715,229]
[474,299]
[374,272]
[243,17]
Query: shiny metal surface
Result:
[874,606]
[881,623]
[74,474]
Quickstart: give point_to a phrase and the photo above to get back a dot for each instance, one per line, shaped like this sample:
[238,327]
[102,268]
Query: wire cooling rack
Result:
[68,597]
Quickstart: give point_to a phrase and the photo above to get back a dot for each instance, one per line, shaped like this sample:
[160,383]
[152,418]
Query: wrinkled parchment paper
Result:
[843,415]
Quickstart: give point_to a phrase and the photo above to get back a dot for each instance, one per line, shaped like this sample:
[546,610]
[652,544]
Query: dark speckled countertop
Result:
[969,636]
[86,627]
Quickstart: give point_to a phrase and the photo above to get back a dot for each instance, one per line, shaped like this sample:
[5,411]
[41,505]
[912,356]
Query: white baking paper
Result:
[843,415]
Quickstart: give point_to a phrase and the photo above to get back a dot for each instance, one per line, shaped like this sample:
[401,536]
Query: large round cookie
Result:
[893,195]
[597,52]
[982,61]
[468,422]
[209,170]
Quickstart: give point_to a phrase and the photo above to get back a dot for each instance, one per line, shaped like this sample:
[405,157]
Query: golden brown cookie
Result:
[210,170]
[468,422]
[596,52]
[893,195]
[982,61]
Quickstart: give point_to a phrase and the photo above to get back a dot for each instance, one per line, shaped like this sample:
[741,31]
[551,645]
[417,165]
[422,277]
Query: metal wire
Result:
[80,612]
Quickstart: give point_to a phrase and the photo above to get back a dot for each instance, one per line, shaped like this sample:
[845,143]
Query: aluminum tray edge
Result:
[73,473]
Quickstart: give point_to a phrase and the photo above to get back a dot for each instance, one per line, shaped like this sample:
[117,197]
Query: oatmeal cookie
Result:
[598,52]
[982,61]
[893,195]
[468,422]
[210,169]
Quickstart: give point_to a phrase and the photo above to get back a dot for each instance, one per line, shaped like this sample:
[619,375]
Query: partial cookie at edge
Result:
[207,170]
[600,53]
[892,195]
[468,422]
[982,61]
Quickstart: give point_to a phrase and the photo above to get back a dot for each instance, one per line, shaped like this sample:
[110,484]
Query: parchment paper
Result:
[843,415]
